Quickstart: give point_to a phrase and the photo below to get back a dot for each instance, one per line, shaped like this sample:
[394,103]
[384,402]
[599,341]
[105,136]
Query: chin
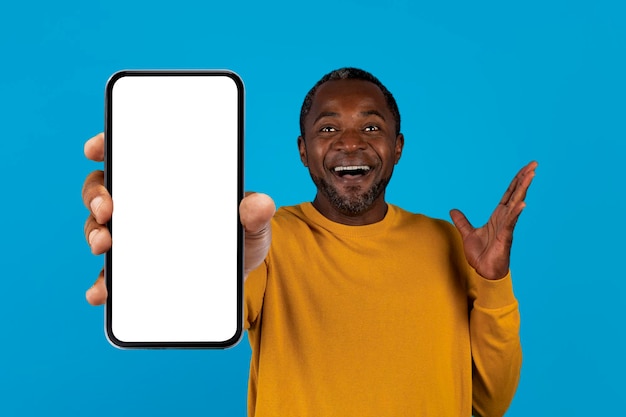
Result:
[351,200]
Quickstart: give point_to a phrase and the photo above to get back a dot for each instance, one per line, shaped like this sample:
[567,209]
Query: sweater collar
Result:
[351,231]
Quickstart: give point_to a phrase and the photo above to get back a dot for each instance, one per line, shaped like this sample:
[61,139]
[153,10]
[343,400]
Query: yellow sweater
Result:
[386,319]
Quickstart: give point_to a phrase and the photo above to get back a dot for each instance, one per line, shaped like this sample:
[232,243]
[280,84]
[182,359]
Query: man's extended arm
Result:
[494,318]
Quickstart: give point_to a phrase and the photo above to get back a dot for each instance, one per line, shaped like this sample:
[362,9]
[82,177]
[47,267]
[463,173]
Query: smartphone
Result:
[174,167]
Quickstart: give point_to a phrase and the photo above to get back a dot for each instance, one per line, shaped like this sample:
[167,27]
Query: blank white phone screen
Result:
[173,273]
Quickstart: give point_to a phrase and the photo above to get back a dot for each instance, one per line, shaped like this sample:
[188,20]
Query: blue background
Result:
[483,89]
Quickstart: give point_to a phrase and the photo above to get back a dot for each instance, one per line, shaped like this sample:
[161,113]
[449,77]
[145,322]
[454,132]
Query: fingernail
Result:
[92,235]
[95,204]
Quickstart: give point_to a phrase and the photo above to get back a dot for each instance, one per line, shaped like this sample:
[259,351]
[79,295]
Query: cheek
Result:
[385,153]
[316,156]
[318,163]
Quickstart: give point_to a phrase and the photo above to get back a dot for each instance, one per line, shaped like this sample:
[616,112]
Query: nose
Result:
[350,140]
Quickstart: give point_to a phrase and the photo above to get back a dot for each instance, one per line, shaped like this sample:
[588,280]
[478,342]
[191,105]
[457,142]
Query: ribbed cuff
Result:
[495,293]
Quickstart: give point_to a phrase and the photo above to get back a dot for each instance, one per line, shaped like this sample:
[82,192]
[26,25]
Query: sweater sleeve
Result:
[253,294]
[495,343]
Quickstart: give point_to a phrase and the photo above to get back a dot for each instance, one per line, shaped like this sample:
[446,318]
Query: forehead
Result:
[347,95]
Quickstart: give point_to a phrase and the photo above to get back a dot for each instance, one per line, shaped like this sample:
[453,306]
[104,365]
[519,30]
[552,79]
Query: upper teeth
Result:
[352,168]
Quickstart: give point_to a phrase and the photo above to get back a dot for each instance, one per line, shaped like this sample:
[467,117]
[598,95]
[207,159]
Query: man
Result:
[357,307]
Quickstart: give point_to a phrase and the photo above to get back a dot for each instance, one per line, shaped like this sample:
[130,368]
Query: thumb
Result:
[461,222]
[256,211]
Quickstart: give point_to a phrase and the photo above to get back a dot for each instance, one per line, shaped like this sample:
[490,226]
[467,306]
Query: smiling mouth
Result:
[352,171]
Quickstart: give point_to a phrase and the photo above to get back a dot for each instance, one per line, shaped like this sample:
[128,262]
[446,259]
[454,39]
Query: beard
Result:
[354,201]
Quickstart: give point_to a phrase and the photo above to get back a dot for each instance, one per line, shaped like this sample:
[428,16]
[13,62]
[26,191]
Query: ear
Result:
[398,147]
[302,150]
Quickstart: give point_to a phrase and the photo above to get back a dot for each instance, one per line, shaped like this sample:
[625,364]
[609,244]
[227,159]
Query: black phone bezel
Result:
[240,194]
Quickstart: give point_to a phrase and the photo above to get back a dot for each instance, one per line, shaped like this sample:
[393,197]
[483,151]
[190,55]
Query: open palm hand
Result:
[488,248]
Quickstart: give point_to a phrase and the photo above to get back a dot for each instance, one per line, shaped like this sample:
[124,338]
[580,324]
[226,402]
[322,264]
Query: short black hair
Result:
[349,73]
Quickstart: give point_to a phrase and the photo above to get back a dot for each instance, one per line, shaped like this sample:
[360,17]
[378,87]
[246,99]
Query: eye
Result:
[328,129]
[372,128]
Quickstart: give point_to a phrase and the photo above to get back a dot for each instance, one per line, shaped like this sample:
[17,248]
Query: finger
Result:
[461,222]
[510,221]
[256,211]
[97,198]
[97,294]
[521,174]
[512,186]
[94,148]
[519,194]
[98,236]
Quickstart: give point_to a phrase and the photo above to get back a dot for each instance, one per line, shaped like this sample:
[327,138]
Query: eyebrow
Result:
[335,114]
[325,114]
[373,112]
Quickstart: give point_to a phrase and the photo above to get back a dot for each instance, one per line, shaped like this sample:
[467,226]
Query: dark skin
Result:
[350,148]
[350,125]
[488,248]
